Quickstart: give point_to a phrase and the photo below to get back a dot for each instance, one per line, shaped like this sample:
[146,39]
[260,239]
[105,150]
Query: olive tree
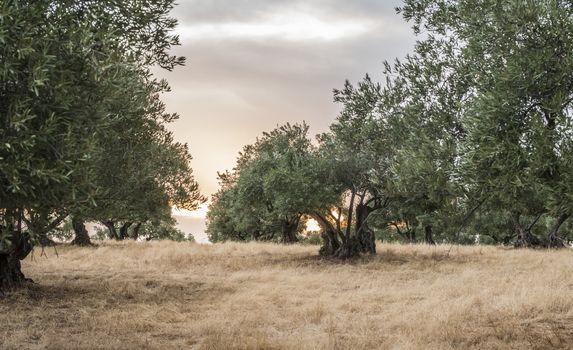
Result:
[517,107]
[276,182]
[61,64]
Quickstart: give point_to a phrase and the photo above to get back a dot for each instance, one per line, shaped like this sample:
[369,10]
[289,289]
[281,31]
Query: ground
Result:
[167,295]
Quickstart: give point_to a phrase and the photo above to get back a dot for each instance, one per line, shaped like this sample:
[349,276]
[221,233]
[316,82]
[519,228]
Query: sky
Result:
[255,64]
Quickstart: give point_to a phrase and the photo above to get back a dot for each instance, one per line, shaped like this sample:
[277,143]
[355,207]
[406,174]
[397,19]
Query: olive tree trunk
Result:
[11,275]
[429,235]
[135,233]
[17,244]
[289,228]
[364,235]
[82,237]
[350,246]
[553,240]
[124,231]
[524,237]
[329,234]
[111,229]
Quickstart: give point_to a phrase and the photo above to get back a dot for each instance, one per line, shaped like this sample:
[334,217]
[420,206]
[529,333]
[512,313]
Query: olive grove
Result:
[468,140]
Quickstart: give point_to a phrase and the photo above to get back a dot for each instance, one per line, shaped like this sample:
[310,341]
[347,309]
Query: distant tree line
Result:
[469,139]
[82,129]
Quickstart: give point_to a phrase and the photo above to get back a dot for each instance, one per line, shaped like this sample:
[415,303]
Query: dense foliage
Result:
[81,125]
[275,183]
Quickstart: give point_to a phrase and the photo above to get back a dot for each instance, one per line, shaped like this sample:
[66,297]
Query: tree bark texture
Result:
[82,238]
[289,229]
[524,237]
[330,242]
[124,231]
[111,227]
[553,240]
[365,236]
[11,275]
[136,230]
[429,235]
[350,248]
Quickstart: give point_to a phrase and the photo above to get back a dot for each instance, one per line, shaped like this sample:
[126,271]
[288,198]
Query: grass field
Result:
[167,295]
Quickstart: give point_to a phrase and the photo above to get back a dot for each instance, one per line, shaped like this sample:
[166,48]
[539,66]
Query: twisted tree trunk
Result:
[289,229]
[429,235]
[111,228]
[82,237]
[364,235]
[553,240]
[411,234]
[124,230]
[17,244]
[524,237]
[136,229]
[11,275]
[330,242]
[350,248]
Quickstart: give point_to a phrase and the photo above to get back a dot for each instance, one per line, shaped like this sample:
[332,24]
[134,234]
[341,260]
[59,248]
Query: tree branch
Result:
[464,221]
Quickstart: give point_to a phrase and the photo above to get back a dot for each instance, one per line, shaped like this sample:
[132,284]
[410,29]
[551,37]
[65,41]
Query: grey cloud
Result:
[358,8]
[217,11]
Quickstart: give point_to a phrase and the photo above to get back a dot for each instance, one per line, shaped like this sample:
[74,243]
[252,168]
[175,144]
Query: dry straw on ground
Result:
[167,295]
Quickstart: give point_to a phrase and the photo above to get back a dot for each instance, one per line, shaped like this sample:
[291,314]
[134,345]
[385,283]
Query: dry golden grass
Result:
[167,295]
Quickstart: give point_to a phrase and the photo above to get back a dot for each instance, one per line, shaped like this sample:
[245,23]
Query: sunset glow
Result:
[312,226]
[199,213]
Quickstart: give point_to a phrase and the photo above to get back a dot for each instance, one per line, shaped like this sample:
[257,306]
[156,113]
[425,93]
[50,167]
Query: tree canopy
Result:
[77,97]
[469,137]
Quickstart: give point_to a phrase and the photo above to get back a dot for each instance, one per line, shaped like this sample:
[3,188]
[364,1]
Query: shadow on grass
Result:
[110,291]
[430,257]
